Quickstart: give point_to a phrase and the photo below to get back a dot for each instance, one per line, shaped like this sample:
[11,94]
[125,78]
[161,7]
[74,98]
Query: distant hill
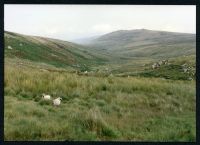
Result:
[51,51]
[146,43]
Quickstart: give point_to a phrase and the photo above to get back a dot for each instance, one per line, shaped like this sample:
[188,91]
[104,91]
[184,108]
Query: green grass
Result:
[50,51]
[96,108]
[173,70]
[145,43]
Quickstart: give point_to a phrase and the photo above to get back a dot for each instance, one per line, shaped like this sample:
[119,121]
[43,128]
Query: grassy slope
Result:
[145,43]
[96,108]
[130,59]
[51,51]
[173,70]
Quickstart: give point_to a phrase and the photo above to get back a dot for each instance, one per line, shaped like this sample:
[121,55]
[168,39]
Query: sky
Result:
[70,22]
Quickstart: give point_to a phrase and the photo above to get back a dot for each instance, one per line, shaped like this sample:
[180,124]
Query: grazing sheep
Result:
[57,101]
[46,97]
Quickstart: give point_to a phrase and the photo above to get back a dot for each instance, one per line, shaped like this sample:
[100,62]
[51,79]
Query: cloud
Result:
[76,21]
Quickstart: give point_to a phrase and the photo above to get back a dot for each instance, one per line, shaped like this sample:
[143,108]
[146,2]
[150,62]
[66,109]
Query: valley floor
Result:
[96,108]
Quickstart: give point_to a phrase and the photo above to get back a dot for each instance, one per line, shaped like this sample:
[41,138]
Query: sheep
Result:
[57,101]
[46,97]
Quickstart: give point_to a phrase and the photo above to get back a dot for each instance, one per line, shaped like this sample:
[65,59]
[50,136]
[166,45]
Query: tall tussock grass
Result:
[96,108]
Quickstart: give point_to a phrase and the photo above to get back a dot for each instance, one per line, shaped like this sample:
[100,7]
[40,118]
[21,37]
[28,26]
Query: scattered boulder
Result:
[111,75]
[190,79]
[43,70]
[86,73]
[185,70]
[155,65]
[9,47]
[160,62]
[183,65]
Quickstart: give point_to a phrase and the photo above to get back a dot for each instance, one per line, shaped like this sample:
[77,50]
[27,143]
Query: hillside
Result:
[51,51]
[145,43]
[95,108]
[123,61]
[114,97]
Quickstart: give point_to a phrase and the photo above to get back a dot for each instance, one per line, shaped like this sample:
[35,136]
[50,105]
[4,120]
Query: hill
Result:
[122,61]
[51,51]
[145,43]
[120,98]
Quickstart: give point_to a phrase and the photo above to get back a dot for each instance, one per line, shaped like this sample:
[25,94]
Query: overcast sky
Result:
[70,22]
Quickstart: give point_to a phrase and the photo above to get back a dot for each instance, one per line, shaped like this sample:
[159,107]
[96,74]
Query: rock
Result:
[9,47]
[183,64]
[185,70]
[160,62]
[111,75]
[155,65]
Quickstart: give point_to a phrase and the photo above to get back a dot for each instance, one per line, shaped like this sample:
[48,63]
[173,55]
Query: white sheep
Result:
[57,101]
[46,97]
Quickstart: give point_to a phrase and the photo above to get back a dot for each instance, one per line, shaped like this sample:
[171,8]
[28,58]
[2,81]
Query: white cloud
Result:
[104,28]
[76,21]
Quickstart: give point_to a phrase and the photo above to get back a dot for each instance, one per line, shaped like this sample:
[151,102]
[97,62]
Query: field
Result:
[98,108]
[110,91]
